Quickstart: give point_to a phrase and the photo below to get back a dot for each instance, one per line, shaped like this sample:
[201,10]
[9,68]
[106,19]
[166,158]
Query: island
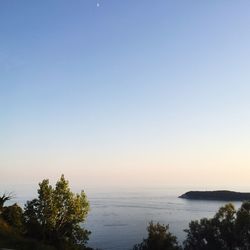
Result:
[219,195]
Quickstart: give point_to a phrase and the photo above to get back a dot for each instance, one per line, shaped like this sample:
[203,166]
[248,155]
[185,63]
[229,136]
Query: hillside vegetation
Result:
[49,222]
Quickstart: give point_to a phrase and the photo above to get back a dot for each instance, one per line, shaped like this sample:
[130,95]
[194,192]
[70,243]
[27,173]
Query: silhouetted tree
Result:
[13,215]
[242,226]
[227,230]
[202,235]
[159,238]
[3,198]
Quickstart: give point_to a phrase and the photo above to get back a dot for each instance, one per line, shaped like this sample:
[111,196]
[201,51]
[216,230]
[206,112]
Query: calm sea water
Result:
[118,220]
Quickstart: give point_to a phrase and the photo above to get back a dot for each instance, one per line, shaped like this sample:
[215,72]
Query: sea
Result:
[118,219]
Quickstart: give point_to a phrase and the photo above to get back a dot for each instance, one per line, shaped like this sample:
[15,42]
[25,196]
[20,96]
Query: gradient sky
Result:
[116,93]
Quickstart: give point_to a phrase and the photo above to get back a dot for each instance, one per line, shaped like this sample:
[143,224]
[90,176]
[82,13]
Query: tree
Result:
[202,235]
[224,221]
[159,238]
[13,215]
[216,233]
[242,226]
[55,216]
[3,198]
[227,230]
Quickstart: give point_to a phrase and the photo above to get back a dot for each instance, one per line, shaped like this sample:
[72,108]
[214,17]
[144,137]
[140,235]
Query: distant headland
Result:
[219,195]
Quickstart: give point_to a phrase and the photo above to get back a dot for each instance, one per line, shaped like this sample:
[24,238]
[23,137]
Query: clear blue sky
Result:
[150,92]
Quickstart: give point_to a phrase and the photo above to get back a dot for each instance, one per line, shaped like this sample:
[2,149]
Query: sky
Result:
[125,93]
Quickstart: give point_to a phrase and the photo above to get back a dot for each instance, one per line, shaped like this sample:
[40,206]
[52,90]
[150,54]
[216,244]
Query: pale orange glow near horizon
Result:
[133,93]
[194,167]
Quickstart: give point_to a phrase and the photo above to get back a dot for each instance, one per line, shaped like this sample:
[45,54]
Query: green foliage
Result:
[242,226]
[6,229]
[159,238]
[227,230]
[11,238]
[55,215]
[13,215]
